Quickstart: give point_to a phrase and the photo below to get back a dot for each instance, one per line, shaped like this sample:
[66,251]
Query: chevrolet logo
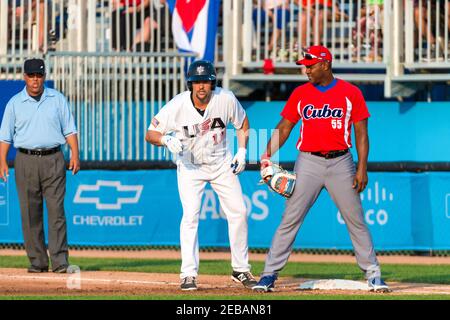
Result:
[91,194]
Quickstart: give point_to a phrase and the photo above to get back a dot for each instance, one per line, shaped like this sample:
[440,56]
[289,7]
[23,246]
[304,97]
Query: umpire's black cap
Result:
[34,66]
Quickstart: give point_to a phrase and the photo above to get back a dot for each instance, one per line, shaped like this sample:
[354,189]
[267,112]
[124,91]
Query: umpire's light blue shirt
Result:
[35,124]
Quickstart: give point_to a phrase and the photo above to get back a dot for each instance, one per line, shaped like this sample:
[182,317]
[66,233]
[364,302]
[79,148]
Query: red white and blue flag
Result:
[194,26]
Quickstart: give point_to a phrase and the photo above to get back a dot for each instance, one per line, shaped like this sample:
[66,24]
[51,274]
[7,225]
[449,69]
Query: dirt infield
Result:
[103,283]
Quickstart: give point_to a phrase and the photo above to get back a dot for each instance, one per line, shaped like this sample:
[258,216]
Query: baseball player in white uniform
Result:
[193,126]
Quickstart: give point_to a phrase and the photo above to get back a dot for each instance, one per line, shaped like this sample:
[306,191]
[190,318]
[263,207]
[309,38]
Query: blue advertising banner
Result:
[404,211]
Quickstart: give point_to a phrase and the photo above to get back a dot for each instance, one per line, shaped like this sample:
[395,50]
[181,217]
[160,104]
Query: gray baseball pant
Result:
[336,175]
[38,178]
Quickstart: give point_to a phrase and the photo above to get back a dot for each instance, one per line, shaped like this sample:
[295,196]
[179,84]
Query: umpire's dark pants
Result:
[39,177]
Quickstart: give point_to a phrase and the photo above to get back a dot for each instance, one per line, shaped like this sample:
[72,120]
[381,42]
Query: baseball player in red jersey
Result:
[327,108]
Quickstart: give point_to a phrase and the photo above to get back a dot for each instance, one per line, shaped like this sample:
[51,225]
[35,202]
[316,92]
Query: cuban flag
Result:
[194,26]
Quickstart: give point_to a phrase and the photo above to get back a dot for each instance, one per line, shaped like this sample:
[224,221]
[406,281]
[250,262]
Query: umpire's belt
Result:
[330,154]
[40,152]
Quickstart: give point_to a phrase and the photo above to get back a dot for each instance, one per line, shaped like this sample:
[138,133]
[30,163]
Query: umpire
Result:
[38,121]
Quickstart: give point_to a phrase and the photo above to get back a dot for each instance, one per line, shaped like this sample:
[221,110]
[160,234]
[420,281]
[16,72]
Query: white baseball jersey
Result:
[203,137]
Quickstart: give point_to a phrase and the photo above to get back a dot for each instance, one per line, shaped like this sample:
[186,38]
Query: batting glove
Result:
[238,162]
[265,161]
[173,144]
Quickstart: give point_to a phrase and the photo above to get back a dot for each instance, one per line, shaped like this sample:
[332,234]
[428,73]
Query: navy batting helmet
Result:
[201,70]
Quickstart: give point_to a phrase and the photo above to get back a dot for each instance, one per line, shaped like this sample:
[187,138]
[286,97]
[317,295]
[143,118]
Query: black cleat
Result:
[246,278]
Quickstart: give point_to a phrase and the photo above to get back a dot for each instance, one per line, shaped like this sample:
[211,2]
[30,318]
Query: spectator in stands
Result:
[312,11]
[144,35]
[420,20]
[369,32]
[426,25]
[125,15]
[278,13]
[38,18]
[448,17]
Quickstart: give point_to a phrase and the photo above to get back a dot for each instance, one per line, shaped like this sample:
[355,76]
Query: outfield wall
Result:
[417,131]
[404,211]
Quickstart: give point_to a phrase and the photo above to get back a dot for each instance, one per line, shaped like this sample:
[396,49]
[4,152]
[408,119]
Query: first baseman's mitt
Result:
[278,179]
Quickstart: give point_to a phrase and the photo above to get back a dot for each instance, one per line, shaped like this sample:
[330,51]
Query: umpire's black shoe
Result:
[61,269]
[33,269]
[246,278]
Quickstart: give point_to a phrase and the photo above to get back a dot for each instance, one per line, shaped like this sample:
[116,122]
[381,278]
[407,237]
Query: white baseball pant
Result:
[191,185]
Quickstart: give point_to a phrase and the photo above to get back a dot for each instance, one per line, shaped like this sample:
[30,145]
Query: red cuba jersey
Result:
[327,115]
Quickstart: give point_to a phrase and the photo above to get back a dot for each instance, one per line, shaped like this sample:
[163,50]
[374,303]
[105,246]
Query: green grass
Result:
[439,274]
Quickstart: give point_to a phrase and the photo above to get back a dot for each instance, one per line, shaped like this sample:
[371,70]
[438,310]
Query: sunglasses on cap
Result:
[310,56]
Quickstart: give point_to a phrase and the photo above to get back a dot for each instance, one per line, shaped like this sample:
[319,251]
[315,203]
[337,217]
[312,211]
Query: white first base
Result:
[334,284]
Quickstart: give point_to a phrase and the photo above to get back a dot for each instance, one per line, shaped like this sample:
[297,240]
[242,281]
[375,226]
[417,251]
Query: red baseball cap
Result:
[315,54]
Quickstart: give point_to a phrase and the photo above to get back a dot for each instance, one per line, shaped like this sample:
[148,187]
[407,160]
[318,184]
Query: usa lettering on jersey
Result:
[309,112]
[200,129]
